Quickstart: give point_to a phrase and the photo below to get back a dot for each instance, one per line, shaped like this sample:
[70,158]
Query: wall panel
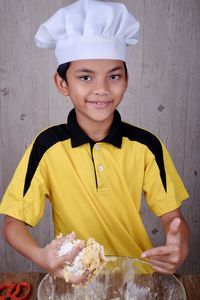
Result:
[163,96]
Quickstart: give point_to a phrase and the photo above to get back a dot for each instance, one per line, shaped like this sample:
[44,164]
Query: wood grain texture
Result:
[163,97]
[192,286]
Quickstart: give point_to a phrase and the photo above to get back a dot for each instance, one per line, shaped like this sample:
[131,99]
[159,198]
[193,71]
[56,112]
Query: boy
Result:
[94,168]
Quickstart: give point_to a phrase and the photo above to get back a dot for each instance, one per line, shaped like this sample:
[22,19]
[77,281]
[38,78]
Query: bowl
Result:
[122,278]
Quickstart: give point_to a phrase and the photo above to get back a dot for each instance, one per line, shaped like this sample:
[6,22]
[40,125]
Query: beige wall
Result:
[163,97]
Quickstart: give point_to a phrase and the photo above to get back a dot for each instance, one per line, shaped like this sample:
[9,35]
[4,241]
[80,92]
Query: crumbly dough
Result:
[91,258]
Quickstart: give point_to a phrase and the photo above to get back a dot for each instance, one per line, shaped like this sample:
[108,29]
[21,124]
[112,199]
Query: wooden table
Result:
[190,282]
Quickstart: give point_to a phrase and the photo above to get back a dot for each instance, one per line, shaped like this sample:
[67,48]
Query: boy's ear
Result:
[61,85]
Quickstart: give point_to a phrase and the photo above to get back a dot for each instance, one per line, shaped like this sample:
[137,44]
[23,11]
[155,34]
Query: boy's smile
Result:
[96,87]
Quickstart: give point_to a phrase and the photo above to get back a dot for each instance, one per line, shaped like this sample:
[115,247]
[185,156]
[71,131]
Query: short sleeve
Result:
[26,204]
[162,196]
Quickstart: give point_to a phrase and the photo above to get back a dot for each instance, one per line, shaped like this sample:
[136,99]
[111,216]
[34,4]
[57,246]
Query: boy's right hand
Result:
[46,257]
[54,263]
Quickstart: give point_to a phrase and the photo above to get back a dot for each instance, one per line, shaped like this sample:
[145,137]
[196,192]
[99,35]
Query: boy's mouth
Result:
[99,103]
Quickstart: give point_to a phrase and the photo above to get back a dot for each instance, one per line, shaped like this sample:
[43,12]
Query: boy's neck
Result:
[96,130]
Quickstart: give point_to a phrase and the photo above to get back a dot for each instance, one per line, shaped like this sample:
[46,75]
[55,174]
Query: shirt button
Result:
[100,168]
[97,147]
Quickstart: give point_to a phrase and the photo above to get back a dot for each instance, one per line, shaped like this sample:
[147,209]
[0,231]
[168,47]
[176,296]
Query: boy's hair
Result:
[62,70]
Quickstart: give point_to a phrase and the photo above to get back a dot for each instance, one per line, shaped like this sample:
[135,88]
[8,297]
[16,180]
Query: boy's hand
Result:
[166,259]
[54,263]
[46,257]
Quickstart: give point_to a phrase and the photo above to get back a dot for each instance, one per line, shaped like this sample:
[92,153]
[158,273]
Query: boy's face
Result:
[96,87]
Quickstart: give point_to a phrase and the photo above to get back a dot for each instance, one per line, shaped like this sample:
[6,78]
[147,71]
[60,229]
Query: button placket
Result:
[98,164]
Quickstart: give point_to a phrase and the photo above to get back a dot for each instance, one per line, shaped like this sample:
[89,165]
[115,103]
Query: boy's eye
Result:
[85,78]
[114,77]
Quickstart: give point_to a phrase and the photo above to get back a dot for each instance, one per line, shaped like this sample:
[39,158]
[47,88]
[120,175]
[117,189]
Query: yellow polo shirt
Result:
[95,188]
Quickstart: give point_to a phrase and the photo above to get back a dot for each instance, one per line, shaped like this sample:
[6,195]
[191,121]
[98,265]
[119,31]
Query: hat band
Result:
[90,48]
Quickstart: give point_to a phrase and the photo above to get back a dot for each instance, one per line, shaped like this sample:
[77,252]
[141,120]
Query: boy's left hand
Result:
[166,259]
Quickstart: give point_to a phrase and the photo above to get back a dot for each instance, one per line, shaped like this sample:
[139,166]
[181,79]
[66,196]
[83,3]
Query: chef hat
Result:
[89,29]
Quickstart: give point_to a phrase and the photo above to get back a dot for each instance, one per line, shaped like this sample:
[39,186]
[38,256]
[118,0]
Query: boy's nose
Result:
[101,88]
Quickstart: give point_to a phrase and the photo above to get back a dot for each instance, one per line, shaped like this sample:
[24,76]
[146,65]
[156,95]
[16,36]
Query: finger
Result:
[51,250]
[173,235]
[77,279]
[168,263]
[162,259]
[59,261]
[67,238]
[174,226]
[57,243]
[162,270]
[158,251]
[167,267]
[156,262]
[59,273]
[70,256]
[67,258]
[70,237]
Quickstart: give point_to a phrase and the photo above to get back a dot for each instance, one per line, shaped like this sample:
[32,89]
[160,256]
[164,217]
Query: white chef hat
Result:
[89,29]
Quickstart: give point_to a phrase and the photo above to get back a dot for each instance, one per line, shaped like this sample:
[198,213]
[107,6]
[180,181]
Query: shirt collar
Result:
[79,137]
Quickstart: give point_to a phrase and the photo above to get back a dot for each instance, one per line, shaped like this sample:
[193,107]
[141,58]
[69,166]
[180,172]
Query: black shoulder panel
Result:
[151,141]
[43,142]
